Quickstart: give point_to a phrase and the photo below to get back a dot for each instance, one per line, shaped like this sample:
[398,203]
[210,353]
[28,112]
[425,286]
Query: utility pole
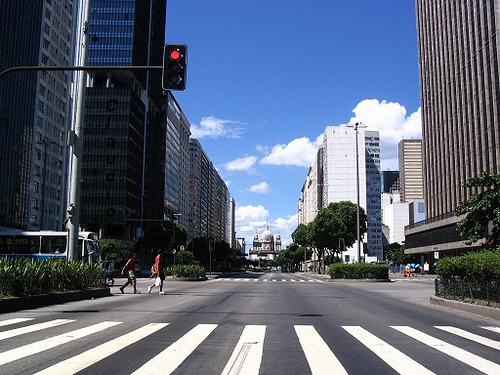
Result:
[76,141]
[358,233]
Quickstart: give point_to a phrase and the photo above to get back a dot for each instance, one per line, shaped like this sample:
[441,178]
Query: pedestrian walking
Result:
[158,273]
[130,268]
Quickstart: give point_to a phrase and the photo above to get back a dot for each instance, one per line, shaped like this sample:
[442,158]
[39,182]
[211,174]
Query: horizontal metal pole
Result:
[88,68]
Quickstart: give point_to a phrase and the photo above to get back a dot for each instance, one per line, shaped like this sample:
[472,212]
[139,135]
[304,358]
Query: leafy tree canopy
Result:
[481,208]
[114,249]
[337,221]
[302,235]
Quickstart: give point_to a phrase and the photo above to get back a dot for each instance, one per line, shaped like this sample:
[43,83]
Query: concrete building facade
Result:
[460,92]
[35,112]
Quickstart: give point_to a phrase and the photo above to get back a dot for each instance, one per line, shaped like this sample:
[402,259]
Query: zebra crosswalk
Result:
[321,354]
[265,280]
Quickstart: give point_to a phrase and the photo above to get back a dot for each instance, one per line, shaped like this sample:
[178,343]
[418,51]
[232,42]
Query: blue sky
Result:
[265,77]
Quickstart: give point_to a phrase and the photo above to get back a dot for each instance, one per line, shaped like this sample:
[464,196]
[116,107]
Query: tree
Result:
[482,208]
[334,223]
[302,235]
[185,257]
[114,249]
[390,250]
[398,256]
[222,255]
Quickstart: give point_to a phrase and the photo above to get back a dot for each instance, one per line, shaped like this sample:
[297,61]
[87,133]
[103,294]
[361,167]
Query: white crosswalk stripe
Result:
[14,321]
[399,361]
[83,360]
[319,356]
[249,350]
[471,336]
[169,359]
[462,355]
[247,354]
[32,328]
[40,346]
[266,280]
[494,329]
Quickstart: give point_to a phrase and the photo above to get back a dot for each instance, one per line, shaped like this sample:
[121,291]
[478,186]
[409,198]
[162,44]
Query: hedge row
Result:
[23,277]
[180,270]
[482,266]
[359,271]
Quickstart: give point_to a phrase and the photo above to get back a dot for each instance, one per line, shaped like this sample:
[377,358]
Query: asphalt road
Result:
[263,323]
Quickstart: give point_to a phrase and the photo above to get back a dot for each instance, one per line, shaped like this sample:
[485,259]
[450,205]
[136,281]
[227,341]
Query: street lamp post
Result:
[76,140]
[356,126]
[175,227]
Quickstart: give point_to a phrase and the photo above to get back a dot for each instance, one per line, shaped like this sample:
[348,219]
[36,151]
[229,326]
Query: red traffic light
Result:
[174,67]
[175,55]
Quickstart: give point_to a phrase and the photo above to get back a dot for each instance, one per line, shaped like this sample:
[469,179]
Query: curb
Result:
[486,311]
[12,304]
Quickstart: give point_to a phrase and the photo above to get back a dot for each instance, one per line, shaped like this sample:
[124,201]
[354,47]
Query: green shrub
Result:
[24,276]
[358,271]
[481,266]
[180,270]
[184,257]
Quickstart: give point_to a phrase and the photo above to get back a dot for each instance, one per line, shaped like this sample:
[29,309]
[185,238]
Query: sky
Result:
[265,77]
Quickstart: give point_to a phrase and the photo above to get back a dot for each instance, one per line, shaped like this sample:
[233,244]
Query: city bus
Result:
[47,244]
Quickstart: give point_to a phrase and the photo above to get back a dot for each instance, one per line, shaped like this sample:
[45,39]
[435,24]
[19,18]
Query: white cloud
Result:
[392,122]
[247,214]
[213,127]
[241,164]
[286,226]
[248,219]
[251,219]
[260,188]
[299,152]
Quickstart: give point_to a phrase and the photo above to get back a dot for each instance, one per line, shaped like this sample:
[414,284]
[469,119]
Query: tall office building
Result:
[209,198]
[176,182]
[460,90]
[410,169]
[124,128]
[34,112]
[333,176]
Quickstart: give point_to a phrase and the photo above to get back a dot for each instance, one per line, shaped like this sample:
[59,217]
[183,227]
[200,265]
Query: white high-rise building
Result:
[341,180]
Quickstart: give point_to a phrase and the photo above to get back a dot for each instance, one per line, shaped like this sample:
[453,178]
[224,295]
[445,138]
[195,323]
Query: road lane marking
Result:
[471,336]
[32,328]
[169,359]
[453,351]
[247,354]
[84,360]
[321,359]
[52,342]
[399,361]
[14,321]
[494,329]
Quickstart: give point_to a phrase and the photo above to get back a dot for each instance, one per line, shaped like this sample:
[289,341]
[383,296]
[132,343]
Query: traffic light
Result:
[174,67]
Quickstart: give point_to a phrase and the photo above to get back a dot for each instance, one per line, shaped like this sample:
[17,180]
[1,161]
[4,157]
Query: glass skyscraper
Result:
[124,127]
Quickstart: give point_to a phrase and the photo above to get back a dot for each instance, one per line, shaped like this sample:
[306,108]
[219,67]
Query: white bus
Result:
[47,244]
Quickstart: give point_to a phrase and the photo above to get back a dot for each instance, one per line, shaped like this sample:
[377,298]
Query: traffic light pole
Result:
[76,142]
[75,138]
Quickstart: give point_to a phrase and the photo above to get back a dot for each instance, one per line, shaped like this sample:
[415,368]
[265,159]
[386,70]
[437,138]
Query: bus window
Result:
[27,245]
[53,245]
[6,245]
